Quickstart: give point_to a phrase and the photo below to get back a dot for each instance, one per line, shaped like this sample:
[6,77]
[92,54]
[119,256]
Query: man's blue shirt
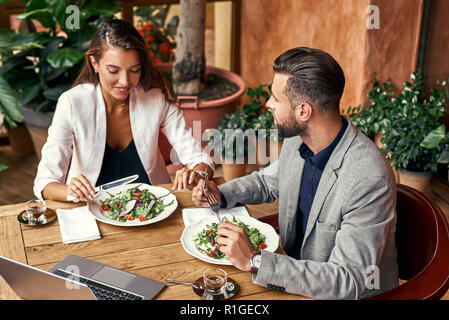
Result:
[311,176]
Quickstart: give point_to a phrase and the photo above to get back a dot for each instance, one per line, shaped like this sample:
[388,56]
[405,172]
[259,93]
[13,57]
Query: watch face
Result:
[256,260]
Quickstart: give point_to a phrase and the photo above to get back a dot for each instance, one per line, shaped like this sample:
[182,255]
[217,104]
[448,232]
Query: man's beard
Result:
[290,127]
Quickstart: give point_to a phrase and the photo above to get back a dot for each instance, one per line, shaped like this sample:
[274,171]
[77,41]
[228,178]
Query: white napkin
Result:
[193,215]
[77,225]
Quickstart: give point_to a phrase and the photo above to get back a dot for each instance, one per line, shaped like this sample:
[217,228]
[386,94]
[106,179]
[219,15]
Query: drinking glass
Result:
[35,210]
[214,280]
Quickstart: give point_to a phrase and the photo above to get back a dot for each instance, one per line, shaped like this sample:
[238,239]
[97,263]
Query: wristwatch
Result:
[254,262]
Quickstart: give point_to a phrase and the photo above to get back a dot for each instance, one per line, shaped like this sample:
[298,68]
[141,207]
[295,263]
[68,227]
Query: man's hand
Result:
[198,196]
[235,243]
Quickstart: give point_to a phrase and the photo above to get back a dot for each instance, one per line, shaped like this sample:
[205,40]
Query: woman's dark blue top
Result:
[121,164]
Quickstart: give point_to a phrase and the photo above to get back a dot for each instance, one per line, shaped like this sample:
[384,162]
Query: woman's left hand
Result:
[185,179]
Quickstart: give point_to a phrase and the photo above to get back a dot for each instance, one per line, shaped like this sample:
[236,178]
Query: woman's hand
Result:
[185,179]
[80,188]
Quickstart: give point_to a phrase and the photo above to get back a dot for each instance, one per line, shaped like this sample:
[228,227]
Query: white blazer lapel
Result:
[96,159]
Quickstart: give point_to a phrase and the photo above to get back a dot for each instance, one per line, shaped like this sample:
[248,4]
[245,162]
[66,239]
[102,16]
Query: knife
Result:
[109,185]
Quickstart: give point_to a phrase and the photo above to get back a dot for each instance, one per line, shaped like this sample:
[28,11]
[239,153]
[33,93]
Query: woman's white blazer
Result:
[77,136]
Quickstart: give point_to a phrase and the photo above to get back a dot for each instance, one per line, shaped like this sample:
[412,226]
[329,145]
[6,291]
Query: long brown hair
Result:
[121,34]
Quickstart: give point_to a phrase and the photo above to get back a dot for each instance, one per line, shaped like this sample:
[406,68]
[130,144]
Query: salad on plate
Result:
[132,204]
[206,240]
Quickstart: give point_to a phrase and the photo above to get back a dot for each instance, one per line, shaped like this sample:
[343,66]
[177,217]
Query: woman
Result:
[107,125]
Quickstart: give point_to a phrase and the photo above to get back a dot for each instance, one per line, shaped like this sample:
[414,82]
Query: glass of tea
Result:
[215,280]
[35,210]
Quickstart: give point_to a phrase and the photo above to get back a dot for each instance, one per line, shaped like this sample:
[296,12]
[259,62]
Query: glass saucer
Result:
[231,290]
[46,218]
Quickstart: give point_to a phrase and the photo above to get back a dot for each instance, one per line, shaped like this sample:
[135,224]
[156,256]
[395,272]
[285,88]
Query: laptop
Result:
[77,278]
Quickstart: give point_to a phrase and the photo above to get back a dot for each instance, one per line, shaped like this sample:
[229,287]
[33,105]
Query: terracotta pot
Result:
[396,174]
[20,141]
[377,140]
[209,112]
[37,124]
[417,180]
[232,170]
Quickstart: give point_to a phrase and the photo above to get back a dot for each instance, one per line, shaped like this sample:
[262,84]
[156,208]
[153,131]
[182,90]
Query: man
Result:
[336,191]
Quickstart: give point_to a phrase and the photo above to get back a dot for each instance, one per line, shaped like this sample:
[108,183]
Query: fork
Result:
[213,200]
[156,199]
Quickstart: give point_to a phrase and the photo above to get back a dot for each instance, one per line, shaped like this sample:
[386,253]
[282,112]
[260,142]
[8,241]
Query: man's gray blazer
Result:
[349,250]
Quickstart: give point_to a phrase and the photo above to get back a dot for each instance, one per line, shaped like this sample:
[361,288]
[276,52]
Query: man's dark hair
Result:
[316,78]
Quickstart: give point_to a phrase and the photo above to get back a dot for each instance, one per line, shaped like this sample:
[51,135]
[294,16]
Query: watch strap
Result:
[254,267]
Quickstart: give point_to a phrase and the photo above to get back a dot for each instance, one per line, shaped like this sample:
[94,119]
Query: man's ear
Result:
[303,111]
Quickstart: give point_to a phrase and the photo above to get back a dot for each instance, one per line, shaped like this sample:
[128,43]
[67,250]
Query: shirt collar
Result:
[320,159]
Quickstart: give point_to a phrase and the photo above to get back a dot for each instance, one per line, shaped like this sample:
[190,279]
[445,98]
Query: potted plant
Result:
[267,143]
[48,62]
[193,84]
[230,145]
[245,135]
[371,120]
[12,118]
[412,118]
[158,34]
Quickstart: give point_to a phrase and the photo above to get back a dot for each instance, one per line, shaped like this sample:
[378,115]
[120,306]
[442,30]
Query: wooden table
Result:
[152,251]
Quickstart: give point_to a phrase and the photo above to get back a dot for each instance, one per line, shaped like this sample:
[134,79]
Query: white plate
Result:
[271,237]
[95,205]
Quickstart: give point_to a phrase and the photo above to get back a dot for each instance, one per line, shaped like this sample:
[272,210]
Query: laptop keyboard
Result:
[100,290]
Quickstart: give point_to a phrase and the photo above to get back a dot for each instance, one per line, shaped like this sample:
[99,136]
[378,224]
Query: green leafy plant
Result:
[412,118]
[230,142]
[157,33]
[438,138]
[40,66]
[9,106]
[258,115]
[252,117]
[3,167]
[374,118]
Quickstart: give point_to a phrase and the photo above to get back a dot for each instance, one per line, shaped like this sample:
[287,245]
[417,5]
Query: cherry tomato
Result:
[209,254]
[262,245]
[105,207]
[120,206]
[209,232]
[138,194]
[142,218]
[128,217]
